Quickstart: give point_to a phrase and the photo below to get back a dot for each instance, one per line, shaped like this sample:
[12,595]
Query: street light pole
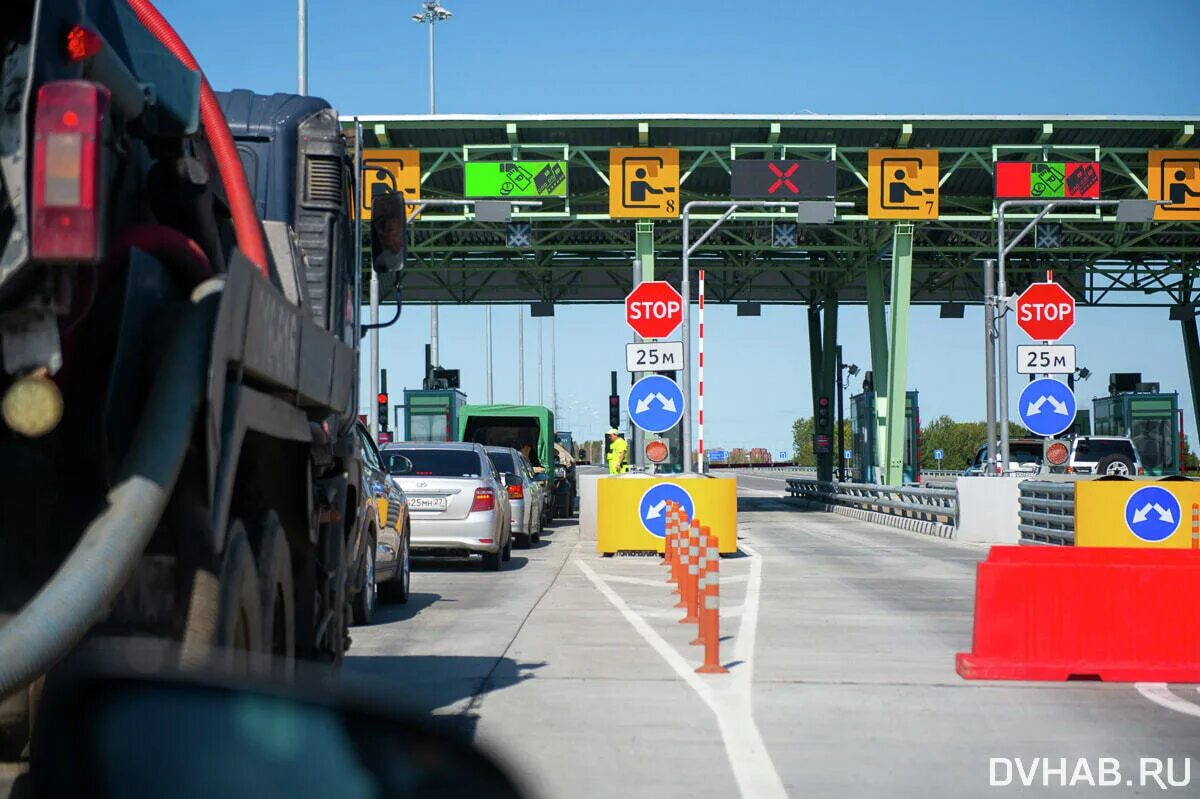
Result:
[432,12]
[302,46]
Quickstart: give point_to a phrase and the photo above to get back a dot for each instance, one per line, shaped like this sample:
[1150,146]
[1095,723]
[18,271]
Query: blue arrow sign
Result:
[655,403]
[1047,407]
[1152,513]
[652,510]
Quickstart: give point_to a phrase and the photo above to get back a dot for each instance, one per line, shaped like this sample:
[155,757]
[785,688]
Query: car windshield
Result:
[432,462]
[503,461]
[1094,449]
[1025,452]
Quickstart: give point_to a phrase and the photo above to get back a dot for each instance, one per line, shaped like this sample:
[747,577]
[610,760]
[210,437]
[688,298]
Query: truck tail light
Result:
[485,499]
[516,492]
[67,150]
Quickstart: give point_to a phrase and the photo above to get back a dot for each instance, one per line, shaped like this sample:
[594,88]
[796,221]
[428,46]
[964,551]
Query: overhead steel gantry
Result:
[578,254]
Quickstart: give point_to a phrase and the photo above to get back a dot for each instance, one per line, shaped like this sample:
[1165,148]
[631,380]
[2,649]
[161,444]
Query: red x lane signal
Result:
[784,178]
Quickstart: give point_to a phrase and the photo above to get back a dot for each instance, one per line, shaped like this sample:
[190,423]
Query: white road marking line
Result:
[743,490]
[1160,694]
[748,757]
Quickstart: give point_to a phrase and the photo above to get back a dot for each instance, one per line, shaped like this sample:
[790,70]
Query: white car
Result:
[1105,455]
[457,502]
[524,493]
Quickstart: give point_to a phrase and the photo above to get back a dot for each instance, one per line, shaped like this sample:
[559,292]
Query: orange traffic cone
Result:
[691,589]
[710,617]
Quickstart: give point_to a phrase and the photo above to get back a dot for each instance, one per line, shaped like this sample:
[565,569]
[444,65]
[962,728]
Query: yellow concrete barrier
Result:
[630,512]
[1142,514]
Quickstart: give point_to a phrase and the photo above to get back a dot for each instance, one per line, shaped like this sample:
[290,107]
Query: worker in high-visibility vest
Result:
[617,450]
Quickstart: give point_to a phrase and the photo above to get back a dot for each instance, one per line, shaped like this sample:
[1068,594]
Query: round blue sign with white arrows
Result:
[1047,407]
[1152,513]
[652,510]
[655,403]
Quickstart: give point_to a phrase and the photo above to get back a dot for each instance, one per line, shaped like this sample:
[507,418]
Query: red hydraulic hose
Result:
[216,128]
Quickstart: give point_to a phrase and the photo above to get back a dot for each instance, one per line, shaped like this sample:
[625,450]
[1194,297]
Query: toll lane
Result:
[840,639]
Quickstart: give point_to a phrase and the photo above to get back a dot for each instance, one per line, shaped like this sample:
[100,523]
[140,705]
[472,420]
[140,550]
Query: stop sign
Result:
[654,309]
[1045,311]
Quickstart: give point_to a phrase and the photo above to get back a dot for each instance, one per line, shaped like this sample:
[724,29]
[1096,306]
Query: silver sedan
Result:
[457,501]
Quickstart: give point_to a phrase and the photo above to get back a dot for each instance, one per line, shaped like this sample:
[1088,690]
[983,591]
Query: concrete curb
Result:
[937,529]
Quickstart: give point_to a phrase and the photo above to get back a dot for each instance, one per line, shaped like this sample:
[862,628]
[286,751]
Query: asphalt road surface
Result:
[840,637]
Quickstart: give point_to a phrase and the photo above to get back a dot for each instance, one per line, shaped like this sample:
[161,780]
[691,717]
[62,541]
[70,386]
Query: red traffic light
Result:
[381,399]
[613,400]
[823,402]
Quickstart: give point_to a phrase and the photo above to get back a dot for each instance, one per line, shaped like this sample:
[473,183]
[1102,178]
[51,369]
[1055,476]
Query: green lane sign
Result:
[499,179]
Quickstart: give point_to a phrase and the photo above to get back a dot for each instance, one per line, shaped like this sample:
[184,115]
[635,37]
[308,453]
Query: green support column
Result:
[644,248]
[828,376]
[814,355]
[1191,349]
[877,326]
[643,251]
[902,244]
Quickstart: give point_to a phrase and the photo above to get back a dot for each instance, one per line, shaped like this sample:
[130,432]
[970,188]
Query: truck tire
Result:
[238,639]
[1116,465]
[278,596]
[366,600]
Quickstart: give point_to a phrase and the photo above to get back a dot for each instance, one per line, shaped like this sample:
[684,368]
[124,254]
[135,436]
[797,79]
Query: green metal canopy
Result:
[577,254]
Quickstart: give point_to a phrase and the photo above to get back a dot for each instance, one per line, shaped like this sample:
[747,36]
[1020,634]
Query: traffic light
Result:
[614,410]
[382,408]
[823,422]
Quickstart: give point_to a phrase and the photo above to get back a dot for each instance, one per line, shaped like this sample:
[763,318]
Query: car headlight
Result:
[560,471]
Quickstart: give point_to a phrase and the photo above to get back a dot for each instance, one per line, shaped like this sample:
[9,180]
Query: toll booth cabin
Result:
[432,414]
[1148,417]
[863,426]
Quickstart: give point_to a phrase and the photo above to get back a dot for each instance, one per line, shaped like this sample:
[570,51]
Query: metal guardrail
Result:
[923,503]
[1047,512]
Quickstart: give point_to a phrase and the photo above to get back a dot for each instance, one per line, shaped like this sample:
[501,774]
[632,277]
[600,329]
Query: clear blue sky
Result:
[702,56]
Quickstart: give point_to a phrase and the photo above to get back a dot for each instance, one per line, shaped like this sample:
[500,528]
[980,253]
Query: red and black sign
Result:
[1020,180]
[783,180]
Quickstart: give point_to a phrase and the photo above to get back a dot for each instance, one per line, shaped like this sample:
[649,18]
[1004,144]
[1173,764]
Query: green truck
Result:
[528,429]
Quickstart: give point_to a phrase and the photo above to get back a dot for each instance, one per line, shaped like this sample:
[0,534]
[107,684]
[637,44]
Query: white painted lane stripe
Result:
[1160,694]
[759,492]
[753,770]
[744,648]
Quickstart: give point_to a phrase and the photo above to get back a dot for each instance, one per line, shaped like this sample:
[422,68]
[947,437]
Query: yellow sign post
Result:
[643,183]
[902,184]
[1174,175]
[396,170]
[630,511]
[1142,514]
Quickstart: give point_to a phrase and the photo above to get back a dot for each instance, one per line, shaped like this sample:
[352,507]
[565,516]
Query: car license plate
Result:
[427,503]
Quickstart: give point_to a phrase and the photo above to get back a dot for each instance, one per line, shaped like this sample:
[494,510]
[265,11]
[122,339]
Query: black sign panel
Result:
[783,180]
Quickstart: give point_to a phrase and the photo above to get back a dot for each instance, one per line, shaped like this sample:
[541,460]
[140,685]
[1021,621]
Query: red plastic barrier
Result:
[1057,613]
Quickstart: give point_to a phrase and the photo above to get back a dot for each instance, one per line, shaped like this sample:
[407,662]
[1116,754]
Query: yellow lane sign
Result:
[395,170]
[1175,175]
[902,184]
[643,182]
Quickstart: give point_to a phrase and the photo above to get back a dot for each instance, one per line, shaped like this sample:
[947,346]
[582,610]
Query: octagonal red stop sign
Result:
[654,309]
[1045,311]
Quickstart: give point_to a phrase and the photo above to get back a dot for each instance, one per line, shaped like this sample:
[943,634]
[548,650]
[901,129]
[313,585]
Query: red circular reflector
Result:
[1057,453]
[656,452]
